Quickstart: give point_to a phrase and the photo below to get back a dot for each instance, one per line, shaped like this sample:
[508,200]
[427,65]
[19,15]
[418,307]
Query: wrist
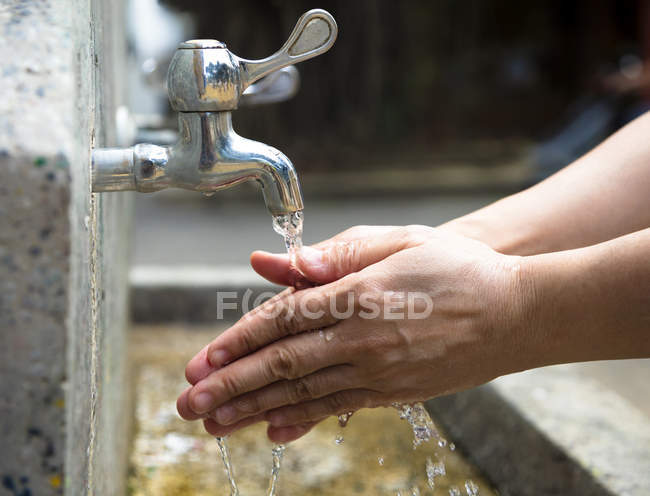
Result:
[491,230]
[517,317]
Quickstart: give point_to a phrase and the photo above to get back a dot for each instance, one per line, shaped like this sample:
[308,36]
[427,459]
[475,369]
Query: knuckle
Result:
[285,320]
[229,385]
[346,255]
[301,389]
[282,364]
[248,405]
[336,403]
[246,341]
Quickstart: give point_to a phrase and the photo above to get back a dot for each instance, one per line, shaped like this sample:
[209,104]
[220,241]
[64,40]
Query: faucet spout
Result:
[209,156]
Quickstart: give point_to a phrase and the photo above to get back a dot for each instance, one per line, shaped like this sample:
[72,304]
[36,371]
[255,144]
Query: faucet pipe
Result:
[209,156]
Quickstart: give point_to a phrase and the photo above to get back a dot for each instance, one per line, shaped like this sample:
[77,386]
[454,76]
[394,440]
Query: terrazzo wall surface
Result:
[62,251]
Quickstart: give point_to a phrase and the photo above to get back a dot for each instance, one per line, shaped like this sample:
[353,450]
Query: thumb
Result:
[334,259]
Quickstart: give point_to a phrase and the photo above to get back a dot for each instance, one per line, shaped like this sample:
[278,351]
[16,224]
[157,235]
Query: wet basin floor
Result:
[171,457]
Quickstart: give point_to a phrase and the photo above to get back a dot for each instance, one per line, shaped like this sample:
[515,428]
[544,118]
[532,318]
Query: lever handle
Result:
[277,86]
[314,34]
[204,76]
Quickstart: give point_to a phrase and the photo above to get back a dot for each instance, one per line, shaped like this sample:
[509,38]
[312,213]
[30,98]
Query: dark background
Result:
[416,79]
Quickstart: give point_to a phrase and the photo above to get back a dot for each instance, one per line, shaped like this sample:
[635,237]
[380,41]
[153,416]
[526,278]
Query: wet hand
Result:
[403,315]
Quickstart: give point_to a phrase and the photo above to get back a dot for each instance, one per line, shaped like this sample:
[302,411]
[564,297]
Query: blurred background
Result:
[421,111]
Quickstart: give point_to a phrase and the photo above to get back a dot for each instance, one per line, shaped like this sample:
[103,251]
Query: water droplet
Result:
[471,488]
[321,334]
[434,469]
[344,418]
[452,446]
[87,221]
[208,194]
[329,335]
[415,491]
[454,491]
[380,460]
[339,440]
[442,442]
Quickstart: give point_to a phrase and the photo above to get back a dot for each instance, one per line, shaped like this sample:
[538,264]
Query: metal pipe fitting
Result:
[205,83]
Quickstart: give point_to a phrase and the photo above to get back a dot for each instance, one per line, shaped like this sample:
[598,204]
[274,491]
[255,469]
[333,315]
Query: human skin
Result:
[494,313]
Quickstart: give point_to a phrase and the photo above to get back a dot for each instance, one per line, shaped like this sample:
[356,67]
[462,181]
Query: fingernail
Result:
[218,358]
[312,257]
[225,414]
[202,403]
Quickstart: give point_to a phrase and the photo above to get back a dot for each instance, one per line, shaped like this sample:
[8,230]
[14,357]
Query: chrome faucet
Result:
[205,83]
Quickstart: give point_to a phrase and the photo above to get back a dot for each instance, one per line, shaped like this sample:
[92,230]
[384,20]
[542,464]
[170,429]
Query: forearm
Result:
[601,196]
[588,304]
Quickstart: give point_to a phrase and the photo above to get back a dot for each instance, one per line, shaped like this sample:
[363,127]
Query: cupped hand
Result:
[403,314]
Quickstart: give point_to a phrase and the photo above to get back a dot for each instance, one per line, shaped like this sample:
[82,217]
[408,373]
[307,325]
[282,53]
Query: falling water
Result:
[277,452]
[289,226]
[433,470]
[471,488]
[423,427]
[225,457]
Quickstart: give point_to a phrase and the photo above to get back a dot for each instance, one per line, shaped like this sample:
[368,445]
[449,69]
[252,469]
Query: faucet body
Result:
[205,84]
[209,156]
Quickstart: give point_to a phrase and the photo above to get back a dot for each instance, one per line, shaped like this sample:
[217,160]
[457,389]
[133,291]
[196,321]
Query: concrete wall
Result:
[62,251]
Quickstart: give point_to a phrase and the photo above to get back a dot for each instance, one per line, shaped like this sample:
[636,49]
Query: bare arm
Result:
[590,303]
[601,196]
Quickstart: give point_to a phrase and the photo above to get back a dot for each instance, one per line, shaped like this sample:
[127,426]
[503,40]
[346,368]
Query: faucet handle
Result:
[204,76]
[275,87]
[314,34]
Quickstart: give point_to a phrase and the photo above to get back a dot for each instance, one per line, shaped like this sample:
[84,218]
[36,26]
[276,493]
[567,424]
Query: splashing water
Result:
[225,457]
[471,488]
[380,460]
[423,427]
[434,469]
[454,491]
[339,440]
[277,452]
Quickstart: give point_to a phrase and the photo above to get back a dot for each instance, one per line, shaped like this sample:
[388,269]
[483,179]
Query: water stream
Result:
[225,457]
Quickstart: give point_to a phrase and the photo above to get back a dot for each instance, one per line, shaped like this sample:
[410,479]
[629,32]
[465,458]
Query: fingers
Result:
[334,404]
[281,393]
[219,430]
[277,268]
[286,314]
[274,267]
[198,367]
[291,433]
[183,406]
[349,253]
[275,434]
[291,358]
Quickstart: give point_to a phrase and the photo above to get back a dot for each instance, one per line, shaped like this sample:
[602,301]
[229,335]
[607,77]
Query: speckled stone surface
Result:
[62,261]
